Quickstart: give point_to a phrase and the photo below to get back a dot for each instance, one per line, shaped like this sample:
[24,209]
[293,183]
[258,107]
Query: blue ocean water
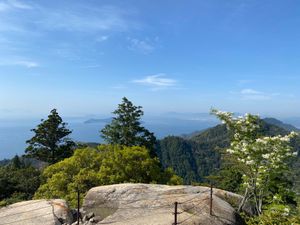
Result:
[13,134]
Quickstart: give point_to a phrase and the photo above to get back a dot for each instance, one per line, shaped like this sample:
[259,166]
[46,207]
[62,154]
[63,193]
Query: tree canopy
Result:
[106,164]
[262,160]
[50,142]
[18,181]
[126,129]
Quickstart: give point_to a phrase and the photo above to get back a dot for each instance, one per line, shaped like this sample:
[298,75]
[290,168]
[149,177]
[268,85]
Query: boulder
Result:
[36,212]
[152,204]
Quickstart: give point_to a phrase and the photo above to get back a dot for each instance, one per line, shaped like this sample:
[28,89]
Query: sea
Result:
[14,133]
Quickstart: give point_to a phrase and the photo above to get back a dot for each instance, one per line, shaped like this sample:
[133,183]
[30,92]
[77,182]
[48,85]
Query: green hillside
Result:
[199,156]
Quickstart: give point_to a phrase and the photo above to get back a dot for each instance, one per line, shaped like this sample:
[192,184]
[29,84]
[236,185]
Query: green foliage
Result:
[50,142]
[229,177]
[204,154]
[125,128]
[18,181]
[275,213]
[262,160]
[61,179]
[106,164]
[189,159]
[129,165]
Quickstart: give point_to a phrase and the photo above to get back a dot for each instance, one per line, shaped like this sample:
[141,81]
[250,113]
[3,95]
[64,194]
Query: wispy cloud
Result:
[24,63]
[24,23]
[106,18]
[9,5]
[157,82]
[102,38]
[251,94]
[19,5]
[145,46]
[13,4]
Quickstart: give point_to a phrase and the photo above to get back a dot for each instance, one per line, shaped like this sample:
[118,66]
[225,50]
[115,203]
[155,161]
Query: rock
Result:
[36,212]
[151,204]
[92,220]
[88,216]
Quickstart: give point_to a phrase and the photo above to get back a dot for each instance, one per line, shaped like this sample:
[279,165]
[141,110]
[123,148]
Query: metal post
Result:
[175,213]
[211,199]
[78,205]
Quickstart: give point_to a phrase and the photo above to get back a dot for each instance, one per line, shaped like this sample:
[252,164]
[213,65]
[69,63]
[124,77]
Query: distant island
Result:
[106,120]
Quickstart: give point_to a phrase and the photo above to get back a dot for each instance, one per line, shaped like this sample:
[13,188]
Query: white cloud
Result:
[13,4]
[157,81]
[24,63]
[142,46]
[256,97]
[102,38]
[19,4]
[28,64]
[250,92]
[106,18]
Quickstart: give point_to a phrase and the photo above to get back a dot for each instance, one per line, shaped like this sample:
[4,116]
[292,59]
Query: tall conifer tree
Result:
[50,142]
[126,129]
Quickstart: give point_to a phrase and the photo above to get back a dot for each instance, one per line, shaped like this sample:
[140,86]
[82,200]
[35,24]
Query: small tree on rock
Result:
[50,142]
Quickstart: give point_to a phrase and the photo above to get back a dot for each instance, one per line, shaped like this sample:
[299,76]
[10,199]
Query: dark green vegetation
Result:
[201,155]
[134,155]
[50,142]
[278,123]
[126,129]
[18,181]
[4,162]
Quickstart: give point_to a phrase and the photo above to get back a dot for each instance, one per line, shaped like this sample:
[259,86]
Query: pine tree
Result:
[50,142]
[126,129]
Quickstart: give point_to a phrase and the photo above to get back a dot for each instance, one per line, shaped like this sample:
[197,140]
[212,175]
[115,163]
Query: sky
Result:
[83,56]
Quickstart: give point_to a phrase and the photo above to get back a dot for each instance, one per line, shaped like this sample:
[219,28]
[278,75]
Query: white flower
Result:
[286,210]
[295,153]
[285,138]
[230,151]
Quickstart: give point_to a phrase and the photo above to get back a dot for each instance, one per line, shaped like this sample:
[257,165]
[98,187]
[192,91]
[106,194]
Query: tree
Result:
[125,129]
[18,181]
[260,159]
[50,142]
[106,164]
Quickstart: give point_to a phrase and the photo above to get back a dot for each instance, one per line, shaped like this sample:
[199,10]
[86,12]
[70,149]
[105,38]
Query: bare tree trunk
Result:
[244,200]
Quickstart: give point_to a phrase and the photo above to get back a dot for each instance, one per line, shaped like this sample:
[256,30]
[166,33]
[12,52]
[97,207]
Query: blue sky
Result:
[82,57]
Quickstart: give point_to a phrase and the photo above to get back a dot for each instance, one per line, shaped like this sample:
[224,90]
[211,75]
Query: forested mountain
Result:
[278,123]
[198,156]
[4,162]
[27,161]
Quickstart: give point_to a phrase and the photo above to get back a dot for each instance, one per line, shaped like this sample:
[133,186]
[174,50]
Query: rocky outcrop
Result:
[151,204]
[36,212]
[131,204]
